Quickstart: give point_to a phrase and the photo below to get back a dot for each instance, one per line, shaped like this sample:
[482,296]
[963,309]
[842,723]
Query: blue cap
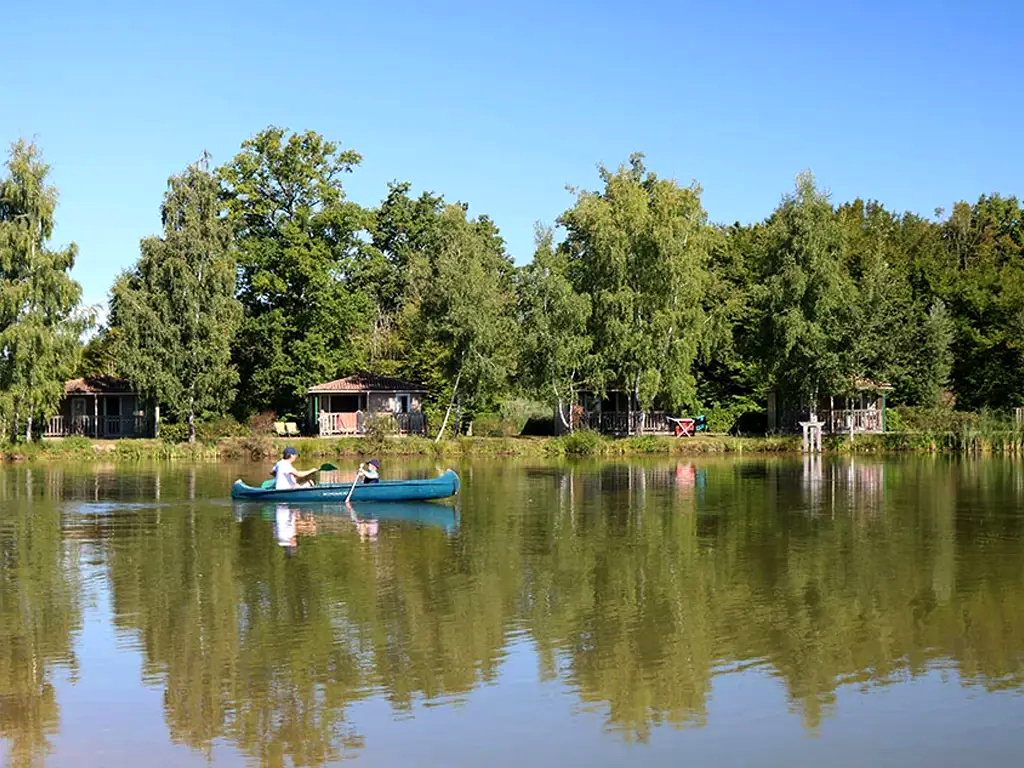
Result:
[374,462]
[289,451]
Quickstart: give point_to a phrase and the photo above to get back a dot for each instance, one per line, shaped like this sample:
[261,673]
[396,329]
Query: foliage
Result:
[171,432]
[40,324]
[459,310]
[221,426]
[555,352]
[639,250]
[175,312]
[262,423]
[806,298]
[297,236]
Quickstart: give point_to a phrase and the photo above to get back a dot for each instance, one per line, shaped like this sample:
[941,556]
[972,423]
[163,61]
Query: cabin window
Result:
[403,403]
[343,404]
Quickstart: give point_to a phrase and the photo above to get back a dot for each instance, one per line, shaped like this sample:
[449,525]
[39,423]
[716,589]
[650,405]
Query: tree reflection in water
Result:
[637,584]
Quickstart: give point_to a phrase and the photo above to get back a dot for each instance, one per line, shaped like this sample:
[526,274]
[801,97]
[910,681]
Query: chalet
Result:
[343,406]
[100,407]
[862,412]
[617,413]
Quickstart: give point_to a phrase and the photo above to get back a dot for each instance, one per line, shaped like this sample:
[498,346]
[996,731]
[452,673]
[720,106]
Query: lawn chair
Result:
[292,429]
[280,429]
[686,427]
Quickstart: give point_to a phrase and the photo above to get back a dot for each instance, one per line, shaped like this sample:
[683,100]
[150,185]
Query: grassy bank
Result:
[239,448]
[1005,442]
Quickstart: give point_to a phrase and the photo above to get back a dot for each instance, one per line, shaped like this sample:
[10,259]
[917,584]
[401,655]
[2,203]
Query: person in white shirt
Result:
[286,475]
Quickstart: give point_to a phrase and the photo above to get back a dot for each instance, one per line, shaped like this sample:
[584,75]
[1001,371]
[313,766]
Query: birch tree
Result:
[40,321]
[175,313]
[639,250]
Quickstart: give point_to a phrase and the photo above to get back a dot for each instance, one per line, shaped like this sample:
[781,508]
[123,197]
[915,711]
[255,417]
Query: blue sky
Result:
[502,105]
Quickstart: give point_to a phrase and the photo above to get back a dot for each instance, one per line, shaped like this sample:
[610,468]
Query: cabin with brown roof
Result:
[102,407]
[343,406]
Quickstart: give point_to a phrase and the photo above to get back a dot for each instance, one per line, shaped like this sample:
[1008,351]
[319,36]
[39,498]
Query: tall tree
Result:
[40,322]
[175,313]
[984,288]
[638,248]
[556,346]
[296,235]
[460,310]
[806,298]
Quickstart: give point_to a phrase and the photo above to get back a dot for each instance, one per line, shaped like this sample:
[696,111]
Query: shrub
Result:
[262,423]
[493,425]
[584,442]
[519,410]
[222,426]
[173,433]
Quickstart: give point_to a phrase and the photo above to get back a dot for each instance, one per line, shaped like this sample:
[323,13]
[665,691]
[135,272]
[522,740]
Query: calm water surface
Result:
[743,612]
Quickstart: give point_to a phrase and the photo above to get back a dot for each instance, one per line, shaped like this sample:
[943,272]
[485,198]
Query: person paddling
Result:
[286,475]
[370,473]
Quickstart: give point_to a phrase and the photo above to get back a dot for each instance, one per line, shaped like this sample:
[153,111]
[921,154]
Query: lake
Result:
[781,612]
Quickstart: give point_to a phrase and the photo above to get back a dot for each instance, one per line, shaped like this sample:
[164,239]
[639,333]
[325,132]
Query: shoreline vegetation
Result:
[579,444]
[266,280]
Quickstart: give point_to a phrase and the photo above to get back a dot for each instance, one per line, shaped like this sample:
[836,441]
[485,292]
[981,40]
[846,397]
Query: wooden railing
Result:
[622,422]
[109,426]
[354,423]
[861,419]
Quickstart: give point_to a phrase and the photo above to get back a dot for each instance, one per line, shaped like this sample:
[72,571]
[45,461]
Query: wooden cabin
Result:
[102,407]
[343,406]
[862,412]
[616,414]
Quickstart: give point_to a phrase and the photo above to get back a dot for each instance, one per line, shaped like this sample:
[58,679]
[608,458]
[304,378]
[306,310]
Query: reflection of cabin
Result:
[342,407]
[617,413]
[863,412]
[102,407]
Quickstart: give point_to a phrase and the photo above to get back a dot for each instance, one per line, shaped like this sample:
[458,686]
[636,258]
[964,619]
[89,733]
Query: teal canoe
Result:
[386,490]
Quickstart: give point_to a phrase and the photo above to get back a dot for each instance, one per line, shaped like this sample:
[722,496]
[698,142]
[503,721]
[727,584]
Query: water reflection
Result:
[40,613]
[637,584]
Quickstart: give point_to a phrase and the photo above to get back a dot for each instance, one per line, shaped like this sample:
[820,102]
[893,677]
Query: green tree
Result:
[983,286]
[175,312]
[402,229]
[639,250]
[806,298]
[297,236]
[556,346]
[460,310]
[40,321]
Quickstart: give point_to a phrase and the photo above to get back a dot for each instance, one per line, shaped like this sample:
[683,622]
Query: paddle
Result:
[328,467]
[356,480]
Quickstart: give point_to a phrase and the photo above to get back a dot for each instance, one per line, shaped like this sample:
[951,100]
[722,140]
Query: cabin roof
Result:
[366,382]
[99,384]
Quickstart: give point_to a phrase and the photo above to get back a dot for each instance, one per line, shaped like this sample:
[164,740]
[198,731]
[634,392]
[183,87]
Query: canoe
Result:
[386,490]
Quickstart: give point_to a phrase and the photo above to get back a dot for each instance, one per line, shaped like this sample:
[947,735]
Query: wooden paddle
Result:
[356,480]
[328,467]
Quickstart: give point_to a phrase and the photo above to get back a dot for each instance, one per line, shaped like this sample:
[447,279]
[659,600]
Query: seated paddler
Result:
[369,472]
[286,475]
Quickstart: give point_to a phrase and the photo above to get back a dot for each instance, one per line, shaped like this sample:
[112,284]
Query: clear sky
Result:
[502,105]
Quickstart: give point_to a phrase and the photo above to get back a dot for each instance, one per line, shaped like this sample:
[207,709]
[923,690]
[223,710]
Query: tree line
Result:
[267,279]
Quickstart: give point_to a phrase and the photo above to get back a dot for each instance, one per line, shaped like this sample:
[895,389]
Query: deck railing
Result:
[623,422]
[86,426]
[354,423]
